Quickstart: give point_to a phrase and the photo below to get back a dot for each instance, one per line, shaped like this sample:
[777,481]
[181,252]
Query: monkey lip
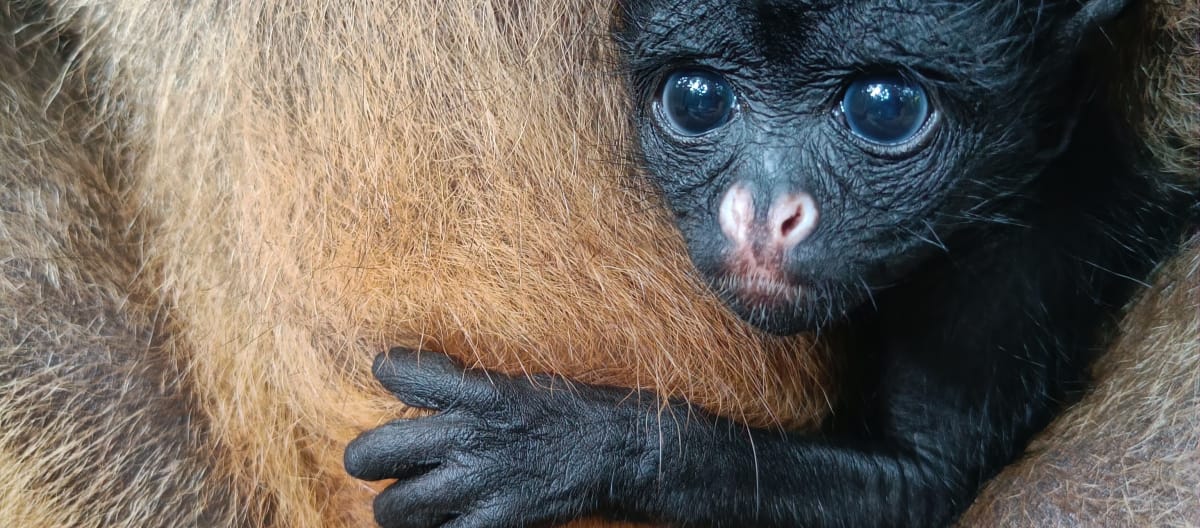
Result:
[755,276]
[762,291]
[773,303]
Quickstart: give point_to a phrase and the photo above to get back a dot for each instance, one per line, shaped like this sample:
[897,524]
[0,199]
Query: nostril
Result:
[796,215]
[790,224]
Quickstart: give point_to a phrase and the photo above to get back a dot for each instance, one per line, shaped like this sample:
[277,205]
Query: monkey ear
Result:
[1090,15]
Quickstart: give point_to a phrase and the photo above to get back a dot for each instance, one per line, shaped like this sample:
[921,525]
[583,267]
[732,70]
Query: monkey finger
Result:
[514,507]
[403,448]
[429,501]
[484,518]
[428,379]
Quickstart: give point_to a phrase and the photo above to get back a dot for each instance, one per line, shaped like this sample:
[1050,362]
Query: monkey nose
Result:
[789,220]
[792,218]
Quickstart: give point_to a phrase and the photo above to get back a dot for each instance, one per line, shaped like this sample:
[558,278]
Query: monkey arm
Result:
[962,382]
[516,451]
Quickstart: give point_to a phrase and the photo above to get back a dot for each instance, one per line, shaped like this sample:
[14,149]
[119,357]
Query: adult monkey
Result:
[176,352]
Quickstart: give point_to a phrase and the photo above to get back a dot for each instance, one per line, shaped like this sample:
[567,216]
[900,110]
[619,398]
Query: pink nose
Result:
[790,219]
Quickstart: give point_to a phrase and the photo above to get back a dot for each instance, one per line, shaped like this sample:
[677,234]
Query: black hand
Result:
[502,451]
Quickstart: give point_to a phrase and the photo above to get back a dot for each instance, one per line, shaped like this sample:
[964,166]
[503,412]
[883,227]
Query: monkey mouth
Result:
[755,283]
[758,295]
[770,303]
[761,291]
[755,277]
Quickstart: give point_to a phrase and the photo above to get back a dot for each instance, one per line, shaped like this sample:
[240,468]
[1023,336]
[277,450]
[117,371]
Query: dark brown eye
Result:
[885,109]
[695,102]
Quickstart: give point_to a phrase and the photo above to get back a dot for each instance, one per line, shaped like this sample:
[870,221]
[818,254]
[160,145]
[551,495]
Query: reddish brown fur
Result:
[314,183]
[225,209]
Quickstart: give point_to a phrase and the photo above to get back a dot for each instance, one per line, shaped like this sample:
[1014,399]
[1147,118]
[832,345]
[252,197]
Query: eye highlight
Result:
[695,102]
[885,109]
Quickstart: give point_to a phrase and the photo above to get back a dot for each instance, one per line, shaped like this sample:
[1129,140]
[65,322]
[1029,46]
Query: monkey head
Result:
[813,152]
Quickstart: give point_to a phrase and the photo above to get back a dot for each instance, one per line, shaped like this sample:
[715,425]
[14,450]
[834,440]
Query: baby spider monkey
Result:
[935,178]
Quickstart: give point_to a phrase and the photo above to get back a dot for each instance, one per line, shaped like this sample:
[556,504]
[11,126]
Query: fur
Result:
[301,186]
[1129,453]
[214,214]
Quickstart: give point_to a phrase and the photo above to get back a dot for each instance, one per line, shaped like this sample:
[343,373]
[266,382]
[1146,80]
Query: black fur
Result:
[976,271]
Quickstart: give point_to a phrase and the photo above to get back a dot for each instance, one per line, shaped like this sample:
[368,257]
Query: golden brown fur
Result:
[302,185]
[215,213]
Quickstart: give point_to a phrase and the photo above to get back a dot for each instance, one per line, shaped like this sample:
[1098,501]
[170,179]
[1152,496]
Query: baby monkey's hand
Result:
[501,451]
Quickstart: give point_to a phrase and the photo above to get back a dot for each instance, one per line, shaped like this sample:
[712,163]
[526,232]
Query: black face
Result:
[813,152]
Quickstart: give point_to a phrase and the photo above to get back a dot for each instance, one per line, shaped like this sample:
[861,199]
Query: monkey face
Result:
[816,152]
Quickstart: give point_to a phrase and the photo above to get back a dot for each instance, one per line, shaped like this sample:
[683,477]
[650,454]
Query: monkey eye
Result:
[695,102]
[885,109]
